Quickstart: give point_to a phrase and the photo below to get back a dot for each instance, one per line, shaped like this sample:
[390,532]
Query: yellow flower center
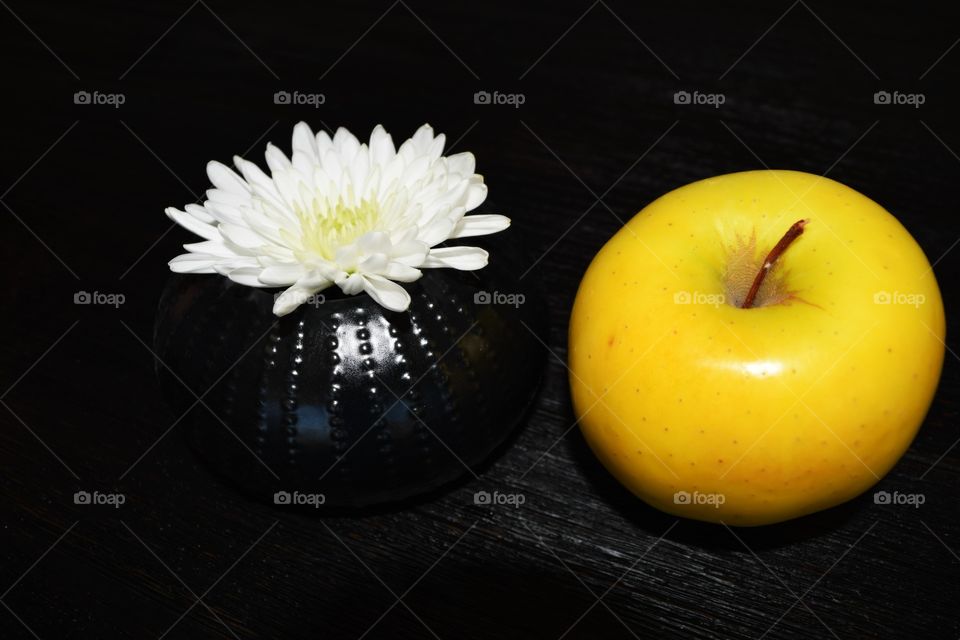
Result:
[326,226]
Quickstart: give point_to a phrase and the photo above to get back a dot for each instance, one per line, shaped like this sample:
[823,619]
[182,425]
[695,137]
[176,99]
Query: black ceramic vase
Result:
[343,397]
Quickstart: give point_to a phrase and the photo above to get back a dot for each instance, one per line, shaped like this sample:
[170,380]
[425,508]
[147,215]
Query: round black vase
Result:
[343,397]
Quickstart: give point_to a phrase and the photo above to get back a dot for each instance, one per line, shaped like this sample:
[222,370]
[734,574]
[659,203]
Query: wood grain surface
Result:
[597,137]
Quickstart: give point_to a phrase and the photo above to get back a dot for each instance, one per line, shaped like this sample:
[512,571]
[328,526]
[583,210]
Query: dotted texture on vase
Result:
[344,397]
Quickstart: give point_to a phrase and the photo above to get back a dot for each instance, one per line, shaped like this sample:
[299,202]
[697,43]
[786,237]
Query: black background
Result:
[598,137]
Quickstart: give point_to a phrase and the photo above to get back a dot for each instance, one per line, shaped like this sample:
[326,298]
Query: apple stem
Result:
[794,232]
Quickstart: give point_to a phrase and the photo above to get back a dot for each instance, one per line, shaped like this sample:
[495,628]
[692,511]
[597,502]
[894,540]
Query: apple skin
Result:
[781,410]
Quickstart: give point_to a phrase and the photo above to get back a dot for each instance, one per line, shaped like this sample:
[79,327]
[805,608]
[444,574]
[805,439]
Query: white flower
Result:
[361,216]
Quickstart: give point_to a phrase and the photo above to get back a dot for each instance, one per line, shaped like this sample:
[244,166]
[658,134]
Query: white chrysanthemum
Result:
[361,216]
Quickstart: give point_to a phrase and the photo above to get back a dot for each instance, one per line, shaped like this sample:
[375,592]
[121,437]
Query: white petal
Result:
[282,275]
[190,223]
[288,186]
[291,299]
[415,171]
[386,293]
[320,277]
[304,141]
[223,177]
[409,252]
[463,163]
[423,138]
[346,144]
[262,226]
[351,284]
[479,225]
[225,265]
[275,253]
[276,160]
[391,174]
[347,256]
[332,166]
[211,248]
[225,198]
[241,236]
[463,258]
[401,272]
[436,147]
[377,263]
[303,164]
[193,263]
[359,170]
[404,234]
[255,177]
[476,194]
[200,213]
[446,202]
[437,232]
[224,213]
[323,142]
[381,146]
[247,276]
[372,187]
[374,242]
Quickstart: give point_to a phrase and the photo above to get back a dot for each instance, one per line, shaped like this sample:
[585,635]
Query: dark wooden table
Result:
[597,137]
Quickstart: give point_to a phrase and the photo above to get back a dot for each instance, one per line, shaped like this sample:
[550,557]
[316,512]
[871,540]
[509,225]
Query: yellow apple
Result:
[749,415]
